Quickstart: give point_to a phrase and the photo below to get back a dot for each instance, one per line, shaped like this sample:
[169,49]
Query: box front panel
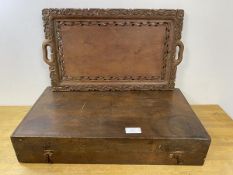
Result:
[111,150]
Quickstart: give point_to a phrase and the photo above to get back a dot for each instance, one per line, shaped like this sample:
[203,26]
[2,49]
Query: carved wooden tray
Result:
[112,49]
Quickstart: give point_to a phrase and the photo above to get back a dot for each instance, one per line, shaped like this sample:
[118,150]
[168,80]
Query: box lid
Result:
[112,49]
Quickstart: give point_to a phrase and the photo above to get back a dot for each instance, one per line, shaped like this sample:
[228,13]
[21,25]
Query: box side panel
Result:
[111,151]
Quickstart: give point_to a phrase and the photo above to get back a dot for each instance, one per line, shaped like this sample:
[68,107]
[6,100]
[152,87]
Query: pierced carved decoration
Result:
[54,19]
[108,87]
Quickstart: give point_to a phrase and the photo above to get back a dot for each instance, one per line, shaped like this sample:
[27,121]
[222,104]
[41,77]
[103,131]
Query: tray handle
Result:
[45,45]
[180,53]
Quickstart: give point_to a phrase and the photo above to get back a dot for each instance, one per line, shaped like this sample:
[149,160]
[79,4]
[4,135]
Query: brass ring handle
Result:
[45,44]
[180,53]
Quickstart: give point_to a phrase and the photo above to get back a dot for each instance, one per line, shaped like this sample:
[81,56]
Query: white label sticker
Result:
[134,130]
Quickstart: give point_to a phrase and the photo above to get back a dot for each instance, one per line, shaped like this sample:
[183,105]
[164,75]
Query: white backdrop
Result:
[205,75]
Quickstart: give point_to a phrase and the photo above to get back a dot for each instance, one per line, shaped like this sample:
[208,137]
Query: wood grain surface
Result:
[218,161]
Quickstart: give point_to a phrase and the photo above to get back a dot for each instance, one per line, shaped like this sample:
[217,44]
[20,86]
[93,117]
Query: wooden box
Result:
[112,98]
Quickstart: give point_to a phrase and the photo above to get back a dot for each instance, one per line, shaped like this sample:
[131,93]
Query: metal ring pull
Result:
[45,45]
[180,53]
[48,156]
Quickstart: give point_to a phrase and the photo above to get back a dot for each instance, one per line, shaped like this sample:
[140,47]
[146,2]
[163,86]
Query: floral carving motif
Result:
[109,87]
